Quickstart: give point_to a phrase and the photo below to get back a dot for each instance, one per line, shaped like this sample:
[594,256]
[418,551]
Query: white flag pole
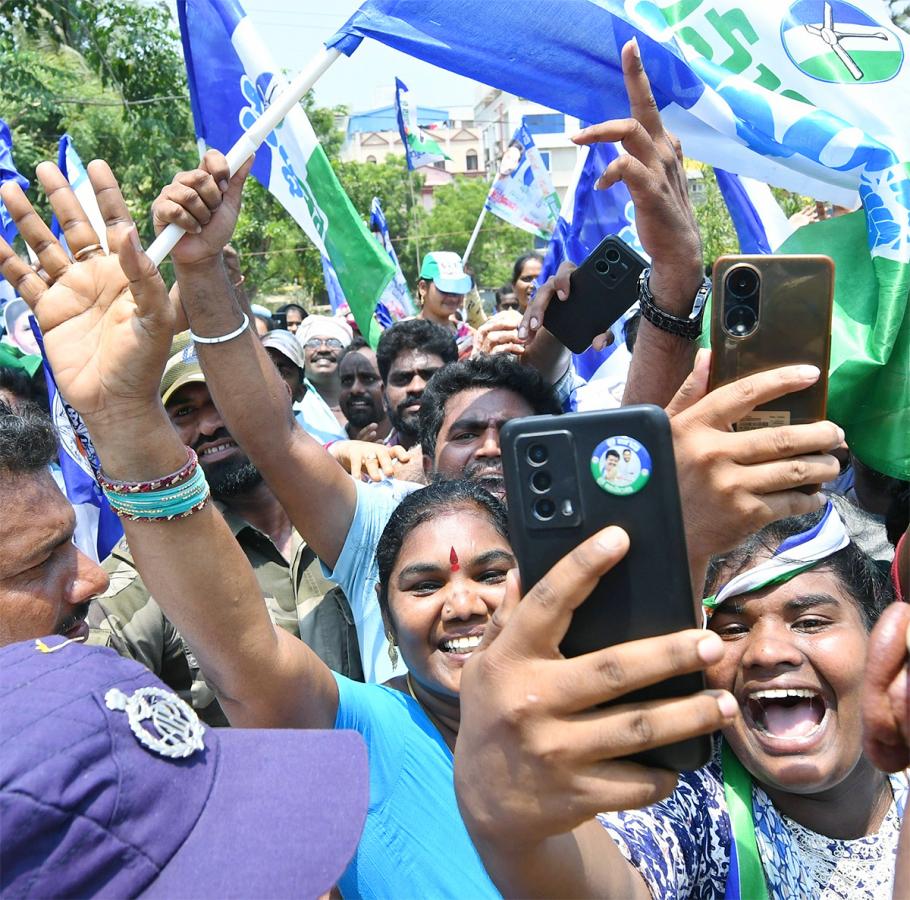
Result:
[474,234]
[248,143]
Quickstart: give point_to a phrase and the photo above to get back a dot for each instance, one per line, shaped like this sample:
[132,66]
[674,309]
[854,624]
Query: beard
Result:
[405,424]
[362,415]
[231,478]
[488,475]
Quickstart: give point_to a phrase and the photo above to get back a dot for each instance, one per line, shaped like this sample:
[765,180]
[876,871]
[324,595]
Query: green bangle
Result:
[164,504]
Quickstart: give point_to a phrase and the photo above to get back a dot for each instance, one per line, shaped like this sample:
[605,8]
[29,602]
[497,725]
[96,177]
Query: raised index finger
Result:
[642,105]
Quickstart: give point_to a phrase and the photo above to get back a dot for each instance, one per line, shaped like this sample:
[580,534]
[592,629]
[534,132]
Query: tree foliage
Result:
[449,224]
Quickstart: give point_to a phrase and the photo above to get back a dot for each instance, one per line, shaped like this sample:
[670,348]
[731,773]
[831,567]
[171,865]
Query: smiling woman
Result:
[790,806]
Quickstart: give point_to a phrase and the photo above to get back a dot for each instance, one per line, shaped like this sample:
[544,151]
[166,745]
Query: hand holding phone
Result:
[767,312]
[602,288]
[567,477]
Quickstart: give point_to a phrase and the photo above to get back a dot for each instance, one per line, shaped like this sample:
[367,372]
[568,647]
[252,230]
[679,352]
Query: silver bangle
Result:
[225,337]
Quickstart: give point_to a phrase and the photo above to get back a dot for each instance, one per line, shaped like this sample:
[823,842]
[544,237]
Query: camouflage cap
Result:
[182,368]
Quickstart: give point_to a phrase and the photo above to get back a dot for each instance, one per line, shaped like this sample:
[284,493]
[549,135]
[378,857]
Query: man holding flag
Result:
[232,79]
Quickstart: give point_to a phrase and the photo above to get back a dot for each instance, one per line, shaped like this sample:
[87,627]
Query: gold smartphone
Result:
[771,311]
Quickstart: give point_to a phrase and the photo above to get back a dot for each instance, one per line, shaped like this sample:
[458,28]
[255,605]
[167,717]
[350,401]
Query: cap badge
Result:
[177,730]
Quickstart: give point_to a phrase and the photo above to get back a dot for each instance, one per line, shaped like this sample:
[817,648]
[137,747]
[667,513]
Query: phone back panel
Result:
[648,593]
[794,326]
[602,288]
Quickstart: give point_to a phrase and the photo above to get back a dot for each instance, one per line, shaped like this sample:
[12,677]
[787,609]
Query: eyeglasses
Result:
[314,343]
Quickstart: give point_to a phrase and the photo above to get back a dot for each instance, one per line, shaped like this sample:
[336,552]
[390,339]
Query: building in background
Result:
[498,114]
[372,135]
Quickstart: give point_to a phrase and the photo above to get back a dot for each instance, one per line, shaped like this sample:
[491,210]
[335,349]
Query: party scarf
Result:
[754,820]
[794,556]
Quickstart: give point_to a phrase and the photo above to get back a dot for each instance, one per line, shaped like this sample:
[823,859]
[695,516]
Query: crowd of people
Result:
[316,540]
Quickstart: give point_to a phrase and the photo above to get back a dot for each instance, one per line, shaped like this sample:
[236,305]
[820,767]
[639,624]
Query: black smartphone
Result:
[280,320]
[569,476]
[601,289]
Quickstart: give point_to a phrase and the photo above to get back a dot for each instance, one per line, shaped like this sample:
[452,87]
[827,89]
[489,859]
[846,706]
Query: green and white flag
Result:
[419,148]
[232,78]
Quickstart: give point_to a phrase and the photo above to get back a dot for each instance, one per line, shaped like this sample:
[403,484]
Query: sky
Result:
[294,30]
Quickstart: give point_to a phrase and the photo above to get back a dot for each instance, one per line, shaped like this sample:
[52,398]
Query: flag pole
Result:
[416,229]
[250,140]
[474,234]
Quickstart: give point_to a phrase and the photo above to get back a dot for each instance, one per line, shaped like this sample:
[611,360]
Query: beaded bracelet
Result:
[171,502]
[156,484]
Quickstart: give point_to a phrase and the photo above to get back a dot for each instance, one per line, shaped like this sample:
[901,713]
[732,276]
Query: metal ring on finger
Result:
[88,252]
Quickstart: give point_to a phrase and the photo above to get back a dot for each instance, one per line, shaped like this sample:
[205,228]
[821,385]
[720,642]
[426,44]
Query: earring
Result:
[393,650]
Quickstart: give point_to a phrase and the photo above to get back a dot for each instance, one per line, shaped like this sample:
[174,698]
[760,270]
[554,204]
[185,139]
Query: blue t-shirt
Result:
[357,573]
[414,842]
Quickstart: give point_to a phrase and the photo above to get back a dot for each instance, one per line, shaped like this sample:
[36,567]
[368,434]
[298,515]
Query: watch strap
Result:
[688,327]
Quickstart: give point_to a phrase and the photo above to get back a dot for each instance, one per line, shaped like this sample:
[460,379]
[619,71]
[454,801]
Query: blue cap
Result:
[110,785]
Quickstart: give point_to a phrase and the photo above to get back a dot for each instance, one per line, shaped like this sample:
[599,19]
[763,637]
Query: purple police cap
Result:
[110,786]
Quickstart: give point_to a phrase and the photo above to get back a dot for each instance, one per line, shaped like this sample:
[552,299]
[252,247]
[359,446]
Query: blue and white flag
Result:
[8,172]
[337,300]
[523,193]
[98,529]
[802,94]
[8,230]
[71,166]
[419,148]
[232,78]
[397,298]
[586,218]
[760,223]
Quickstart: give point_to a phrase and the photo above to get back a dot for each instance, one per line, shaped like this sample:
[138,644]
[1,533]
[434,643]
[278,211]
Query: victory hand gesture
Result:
[107,320]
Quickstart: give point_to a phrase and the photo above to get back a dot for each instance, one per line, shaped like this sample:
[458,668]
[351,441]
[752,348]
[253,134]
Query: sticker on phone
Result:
[621,465]
[763,418]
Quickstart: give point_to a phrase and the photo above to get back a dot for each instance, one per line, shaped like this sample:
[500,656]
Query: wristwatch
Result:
[689,327]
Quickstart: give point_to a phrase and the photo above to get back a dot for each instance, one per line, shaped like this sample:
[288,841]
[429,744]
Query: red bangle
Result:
[157,484]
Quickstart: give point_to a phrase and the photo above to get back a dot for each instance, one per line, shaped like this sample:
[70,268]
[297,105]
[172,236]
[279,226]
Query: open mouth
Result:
[215,449]
[462,645]
[792,713]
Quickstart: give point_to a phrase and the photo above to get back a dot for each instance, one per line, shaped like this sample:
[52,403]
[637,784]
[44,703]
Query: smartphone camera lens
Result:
[741,301]
[537,454]
[544,509]
[541,481]
[601,267]
[742,282]
[612,255]
[740,321]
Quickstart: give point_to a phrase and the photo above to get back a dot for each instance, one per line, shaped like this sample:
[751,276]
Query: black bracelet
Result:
[689,327]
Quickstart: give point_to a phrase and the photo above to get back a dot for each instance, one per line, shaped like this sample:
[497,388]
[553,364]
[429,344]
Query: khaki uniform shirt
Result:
[299,599]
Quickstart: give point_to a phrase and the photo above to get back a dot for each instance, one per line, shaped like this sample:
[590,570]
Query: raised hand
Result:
[107,320]
[205,203]
[734,483]
[652,170]
[532,721]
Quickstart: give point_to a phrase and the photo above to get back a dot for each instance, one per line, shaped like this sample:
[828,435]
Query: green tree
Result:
[449,224]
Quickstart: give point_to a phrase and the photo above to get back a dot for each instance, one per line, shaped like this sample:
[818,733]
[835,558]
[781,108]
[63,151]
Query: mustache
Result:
[409,401]
[221,434]
[77,616]
[478,470]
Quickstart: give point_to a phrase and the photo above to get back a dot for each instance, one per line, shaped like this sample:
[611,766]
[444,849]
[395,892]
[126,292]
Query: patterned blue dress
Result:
[682,846]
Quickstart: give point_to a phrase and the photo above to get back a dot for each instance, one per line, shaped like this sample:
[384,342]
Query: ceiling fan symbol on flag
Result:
[846,46]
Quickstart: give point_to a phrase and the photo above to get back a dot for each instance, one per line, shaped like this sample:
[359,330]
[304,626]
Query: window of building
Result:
[545,156]
[371,159]
[439,164]
[545,123]
[470,161]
